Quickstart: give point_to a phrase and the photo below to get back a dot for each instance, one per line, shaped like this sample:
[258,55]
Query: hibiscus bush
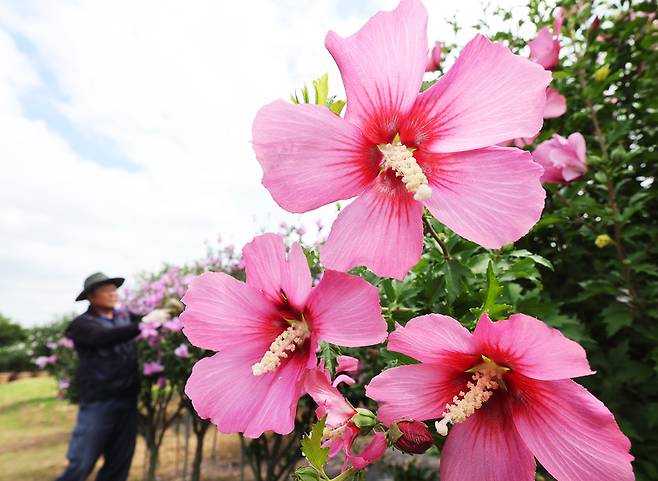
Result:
[503,210]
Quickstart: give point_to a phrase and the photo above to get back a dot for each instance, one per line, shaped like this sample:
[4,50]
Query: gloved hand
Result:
[157,316]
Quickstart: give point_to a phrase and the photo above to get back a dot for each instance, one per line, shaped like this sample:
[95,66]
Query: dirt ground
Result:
[35,427]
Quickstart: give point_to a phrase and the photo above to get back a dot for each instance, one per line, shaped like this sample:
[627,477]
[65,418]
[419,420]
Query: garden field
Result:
[35,427]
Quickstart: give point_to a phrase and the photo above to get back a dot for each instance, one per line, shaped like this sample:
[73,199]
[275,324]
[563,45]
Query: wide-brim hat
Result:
[96,280]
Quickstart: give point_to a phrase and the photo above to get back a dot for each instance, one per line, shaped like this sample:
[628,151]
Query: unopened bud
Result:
[414,437]
[602,73]
[602,241]
[364,419]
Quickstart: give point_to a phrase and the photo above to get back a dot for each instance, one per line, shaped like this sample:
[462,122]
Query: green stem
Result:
[430,229]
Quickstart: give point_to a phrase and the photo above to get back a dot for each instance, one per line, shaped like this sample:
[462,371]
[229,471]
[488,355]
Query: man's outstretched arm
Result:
[88,332]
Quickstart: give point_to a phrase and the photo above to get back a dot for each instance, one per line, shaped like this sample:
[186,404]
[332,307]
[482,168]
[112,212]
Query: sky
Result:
[125,129]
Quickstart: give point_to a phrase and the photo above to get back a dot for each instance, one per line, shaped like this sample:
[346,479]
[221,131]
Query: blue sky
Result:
[127,129]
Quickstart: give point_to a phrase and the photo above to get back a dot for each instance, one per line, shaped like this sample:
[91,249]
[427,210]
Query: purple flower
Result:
[182,351]
[151,368]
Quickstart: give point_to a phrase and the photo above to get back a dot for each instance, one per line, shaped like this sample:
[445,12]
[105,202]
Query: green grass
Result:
[34,429]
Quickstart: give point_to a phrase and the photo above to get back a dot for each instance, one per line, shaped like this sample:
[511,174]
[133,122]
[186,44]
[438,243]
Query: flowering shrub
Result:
[414,152]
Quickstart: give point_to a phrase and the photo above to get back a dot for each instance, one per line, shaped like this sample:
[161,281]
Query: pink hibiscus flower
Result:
[556,104]
[563,159]
[151,368]
[398,151]
[340,428]
[435,58]
[506,391]
[267,331]
[545,49]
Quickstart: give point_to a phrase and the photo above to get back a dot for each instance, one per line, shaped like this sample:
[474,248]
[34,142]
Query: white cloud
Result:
[174,86]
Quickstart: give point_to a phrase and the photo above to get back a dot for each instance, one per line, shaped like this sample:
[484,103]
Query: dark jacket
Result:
[108,355]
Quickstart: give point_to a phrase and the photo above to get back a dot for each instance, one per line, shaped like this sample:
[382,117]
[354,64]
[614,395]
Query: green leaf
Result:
[615,317]
[312,446]
[321,86]
[306,473]
[337,106]
[329,353]
[493,289]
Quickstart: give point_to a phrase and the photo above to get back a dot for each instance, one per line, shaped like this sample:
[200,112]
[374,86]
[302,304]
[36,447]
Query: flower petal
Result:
[530,347]
[296,279]
[347,364]
[382,66]
[556,104]
[329,399]
[269,271]
[221,312]
[371,453]
[344,310]
[382,229]
[437,339]
[490,196]
[415,391]
[486,447]
[572,434]
[310,156]
[489,95]
[544,49]
[223,389]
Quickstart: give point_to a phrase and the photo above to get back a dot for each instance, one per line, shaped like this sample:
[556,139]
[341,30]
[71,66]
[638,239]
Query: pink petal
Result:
[486,447]
[382,67]
[311,156]
[556,104]
[435,58]
[347,364]
[437,339]
[382,229]
[572,434]
[577,143]
[344,310]
[544,49]
[269,271]
[530,347]
[563,159]
[489,95]
[329,400]
[223,389]
[490,196]
[296,279]
[558,20]
[222,312]
[371,453]
[343,378]
[415,391]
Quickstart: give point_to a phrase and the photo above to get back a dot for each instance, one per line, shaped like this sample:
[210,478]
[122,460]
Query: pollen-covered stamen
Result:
[480,389]
[401,160]
[285,343]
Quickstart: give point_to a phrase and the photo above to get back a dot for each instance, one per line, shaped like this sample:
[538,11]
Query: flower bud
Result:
[602,73]
[364,419]
[414,437]
[602,241]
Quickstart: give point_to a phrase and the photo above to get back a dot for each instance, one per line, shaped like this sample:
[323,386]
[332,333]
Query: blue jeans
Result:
[103,427]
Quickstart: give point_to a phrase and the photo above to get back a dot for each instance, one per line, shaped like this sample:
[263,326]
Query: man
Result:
[108,381]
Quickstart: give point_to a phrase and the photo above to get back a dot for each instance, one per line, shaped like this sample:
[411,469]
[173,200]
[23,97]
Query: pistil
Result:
[401,160]
[285,343]
[480,389]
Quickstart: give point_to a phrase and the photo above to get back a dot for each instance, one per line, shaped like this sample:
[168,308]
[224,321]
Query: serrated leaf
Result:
[306,473]
[615,317]
[312,446]
[329,353]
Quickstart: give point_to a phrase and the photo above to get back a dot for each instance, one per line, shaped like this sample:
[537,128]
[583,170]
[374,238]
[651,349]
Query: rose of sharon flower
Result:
[151,368]
[267,332]
[506,391]
[435,58]
[398,151]
[182,351]
[545,49]
[563,159]
[340,428]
